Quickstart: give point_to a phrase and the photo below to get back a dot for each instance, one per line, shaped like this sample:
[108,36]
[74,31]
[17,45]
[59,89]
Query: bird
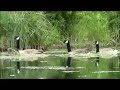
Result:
[78,52]
[86,52]
[26,51]
[105,52]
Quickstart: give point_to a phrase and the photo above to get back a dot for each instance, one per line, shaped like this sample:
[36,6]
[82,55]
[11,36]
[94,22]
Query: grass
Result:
[40,29]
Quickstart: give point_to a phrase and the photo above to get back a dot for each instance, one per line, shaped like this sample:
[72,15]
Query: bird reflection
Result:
[18,67]
[97,61]
[69,62]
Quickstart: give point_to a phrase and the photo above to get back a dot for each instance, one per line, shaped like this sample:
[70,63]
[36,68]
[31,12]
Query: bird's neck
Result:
[18,45]
[97,48]
[68,47]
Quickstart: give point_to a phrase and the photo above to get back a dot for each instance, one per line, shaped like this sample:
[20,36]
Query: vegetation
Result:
[43,29]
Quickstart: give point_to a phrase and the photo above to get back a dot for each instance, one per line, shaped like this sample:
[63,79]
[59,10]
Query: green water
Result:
[61,68]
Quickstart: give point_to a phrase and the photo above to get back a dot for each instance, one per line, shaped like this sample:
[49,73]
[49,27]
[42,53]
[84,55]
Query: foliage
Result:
[33,28]
[39,29]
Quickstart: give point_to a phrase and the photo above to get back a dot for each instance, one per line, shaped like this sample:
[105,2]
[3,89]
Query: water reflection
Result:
[60,67]
[70,72]
[68,75]
[18,67]
[10,67]
[69,62]
[97,61]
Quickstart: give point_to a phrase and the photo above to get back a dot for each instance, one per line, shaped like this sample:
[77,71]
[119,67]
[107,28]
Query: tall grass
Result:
[114,27]
[33,28]
[40,29]
[91,26]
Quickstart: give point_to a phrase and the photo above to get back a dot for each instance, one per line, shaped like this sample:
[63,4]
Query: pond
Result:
[55,67]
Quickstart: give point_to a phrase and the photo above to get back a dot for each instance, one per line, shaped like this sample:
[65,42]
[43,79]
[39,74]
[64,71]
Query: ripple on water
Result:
[70,71]
[43,61]
[12,75]
[83,76]
[9,67]
[80,67]
[106,72]
[45,67]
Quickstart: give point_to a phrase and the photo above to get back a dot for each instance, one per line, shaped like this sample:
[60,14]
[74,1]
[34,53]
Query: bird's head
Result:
[66,41]
[17,38]
[96,42]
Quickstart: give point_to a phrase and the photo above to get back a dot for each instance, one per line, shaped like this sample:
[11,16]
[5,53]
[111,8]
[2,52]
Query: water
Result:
[55,67]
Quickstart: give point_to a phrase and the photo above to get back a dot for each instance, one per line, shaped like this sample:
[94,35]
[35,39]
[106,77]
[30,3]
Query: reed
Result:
[42,29]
